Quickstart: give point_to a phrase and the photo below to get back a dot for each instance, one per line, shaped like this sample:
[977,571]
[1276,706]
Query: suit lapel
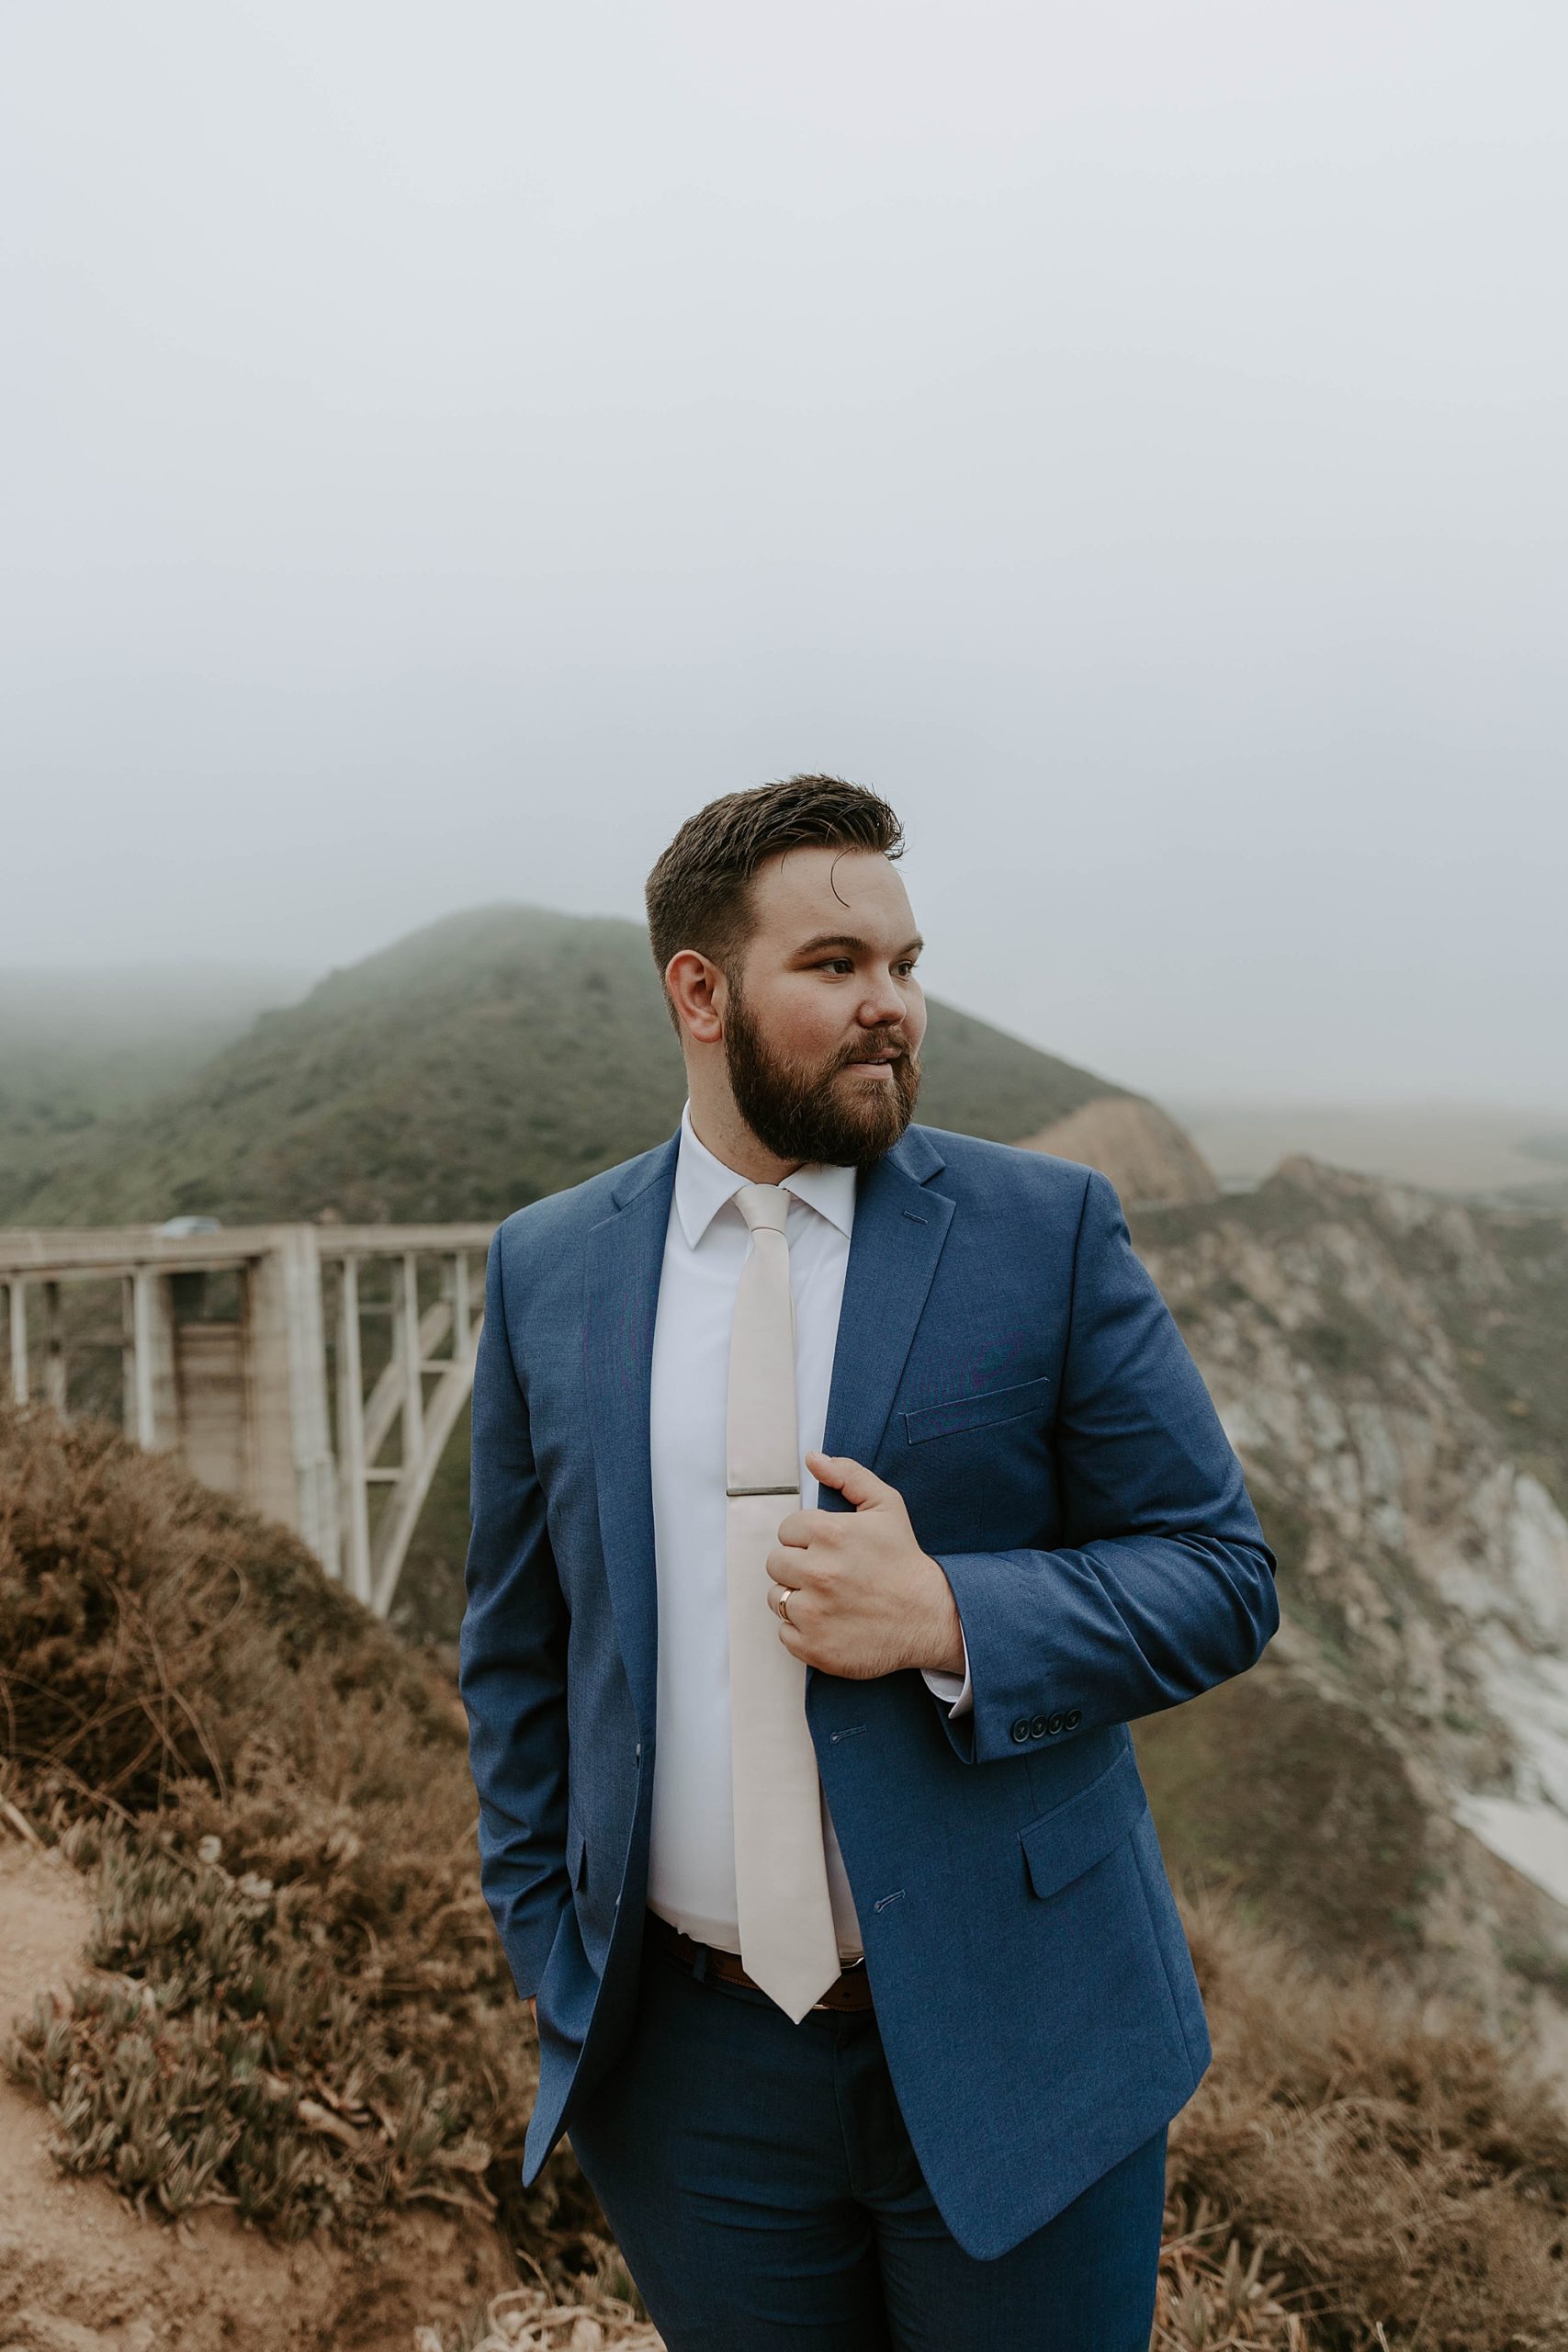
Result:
[624,1257]
[899,1227]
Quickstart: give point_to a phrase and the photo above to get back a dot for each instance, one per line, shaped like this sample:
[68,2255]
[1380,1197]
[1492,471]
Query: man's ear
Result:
[696,988]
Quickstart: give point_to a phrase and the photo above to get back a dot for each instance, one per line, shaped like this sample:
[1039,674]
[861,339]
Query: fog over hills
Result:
[491,1057]
[76,1045]
[1516,1154]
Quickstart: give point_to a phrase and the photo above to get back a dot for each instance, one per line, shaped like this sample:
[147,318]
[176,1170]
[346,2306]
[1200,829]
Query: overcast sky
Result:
[446,443]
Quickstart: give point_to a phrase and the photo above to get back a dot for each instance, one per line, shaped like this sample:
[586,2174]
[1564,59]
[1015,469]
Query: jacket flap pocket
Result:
[970,1412]
[1067,1840]
[575,1850]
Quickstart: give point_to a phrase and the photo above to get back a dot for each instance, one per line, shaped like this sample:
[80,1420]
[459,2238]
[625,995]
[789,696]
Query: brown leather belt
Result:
[849,1990]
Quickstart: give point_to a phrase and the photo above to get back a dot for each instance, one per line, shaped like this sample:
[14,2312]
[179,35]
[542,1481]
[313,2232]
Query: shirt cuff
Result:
[953,1688]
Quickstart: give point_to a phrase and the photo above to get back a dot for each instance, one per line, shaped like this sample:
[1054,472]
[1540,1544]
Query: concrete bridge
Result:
[278,1363]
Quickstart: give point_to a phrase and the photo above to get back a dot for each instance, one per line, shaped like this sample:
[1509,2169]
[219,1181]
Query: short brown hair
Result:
[699,892]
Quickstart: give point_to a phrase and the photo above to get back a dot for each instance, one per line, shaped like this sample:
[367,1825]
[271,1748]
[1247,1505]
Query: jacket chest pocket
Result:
[1021,1400]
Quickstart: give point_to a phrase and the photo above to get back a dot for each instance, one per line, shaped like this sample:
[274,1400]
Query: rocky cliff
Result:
[1146,1155]
[1392,1780]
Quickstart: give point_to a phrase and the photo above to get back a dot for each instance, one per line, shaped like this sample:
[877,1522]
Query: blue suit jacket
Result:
[1007,1363]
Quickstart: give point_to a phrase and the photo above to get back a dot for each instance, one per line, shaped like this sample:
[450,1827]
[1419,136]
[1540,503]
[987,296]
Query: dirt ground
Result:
[80,2271]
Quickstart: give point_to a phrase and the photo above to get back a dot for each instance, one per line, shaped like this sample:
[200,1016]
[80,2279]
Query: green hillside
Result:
[78,1047]
[493,1057]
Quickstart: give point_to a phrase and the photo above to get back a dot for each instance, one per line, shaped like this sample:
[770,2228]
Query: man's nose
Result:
[882,1006]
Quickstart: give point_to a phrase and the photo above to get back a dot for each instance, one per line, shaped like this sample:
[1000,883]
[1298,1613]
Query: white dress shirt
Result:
[691,1860]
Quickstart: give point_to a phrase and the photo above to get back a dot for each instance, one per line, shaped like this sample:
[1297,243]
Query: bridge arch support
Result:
[325,1397]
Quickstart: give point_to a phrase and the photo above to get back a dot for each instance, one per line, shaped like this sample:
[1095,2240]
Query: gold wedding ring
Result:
[783,1604]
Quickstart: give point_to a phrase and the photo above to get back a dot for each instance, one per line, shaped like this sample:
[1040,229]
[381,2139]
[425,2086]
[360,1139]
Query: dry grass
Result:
[305,2011]
[1406,2179]
[301,2007]
[602,2314]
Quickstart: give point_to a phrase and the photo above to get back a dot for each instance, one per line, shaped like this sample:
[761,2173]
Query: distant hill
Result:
[78,1047]
[1482,1152]
[490,1057]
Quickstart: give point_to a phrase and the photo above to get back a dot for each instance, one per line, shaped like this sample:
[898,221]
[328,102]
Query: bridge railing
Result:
[331,1345]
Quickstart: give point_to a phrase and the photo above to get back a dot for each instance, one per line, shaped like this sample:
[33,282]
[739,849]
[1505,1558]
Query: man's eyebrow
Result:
[847,939]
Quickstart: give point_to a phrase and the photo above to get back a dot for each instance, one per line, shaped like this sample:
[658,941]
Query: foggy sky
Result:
[444,445]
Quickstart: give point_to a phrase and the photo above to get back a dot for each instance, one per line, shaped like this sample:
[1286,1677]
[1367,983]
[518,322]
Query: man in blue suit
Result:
[841,1491]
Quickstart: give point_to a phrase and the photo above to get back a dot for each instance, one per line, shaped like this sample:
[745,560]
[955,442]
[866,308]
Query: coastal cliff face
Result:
[1146,1155]
[1389,1366]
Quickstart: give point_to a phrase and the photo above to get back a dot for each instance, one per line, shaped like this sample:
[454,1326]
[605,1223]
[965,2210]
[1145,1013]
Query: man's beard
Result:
[800,1111]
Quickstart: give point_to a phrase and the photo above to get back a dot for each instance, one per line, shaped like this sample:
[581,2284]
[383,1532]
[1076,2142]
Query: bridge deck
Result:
[63,1250]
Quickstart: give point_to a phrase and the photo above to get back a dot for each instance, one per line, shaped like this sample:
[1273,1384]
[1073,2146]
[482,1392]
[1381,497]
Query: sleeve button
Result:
[1020,1729]
[1073,1718]
[1054,1723]
[1037,1726]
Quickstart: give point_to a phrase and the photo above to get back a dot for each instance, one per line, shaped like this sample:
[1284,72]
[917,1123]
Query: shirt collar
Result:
[703,1185]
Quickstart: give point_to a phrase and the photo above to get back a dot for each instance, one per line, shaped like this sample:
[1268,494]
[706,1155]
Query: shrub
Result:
[1408,2178]
[303,2010]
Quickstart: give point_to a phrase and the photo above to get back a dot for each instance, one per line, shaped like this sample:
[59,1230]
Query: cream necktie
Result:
[787,1938]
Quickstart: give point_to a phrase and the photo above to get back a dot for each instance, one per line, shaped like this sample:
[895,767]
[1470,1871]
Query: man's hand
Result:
[864,1599]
